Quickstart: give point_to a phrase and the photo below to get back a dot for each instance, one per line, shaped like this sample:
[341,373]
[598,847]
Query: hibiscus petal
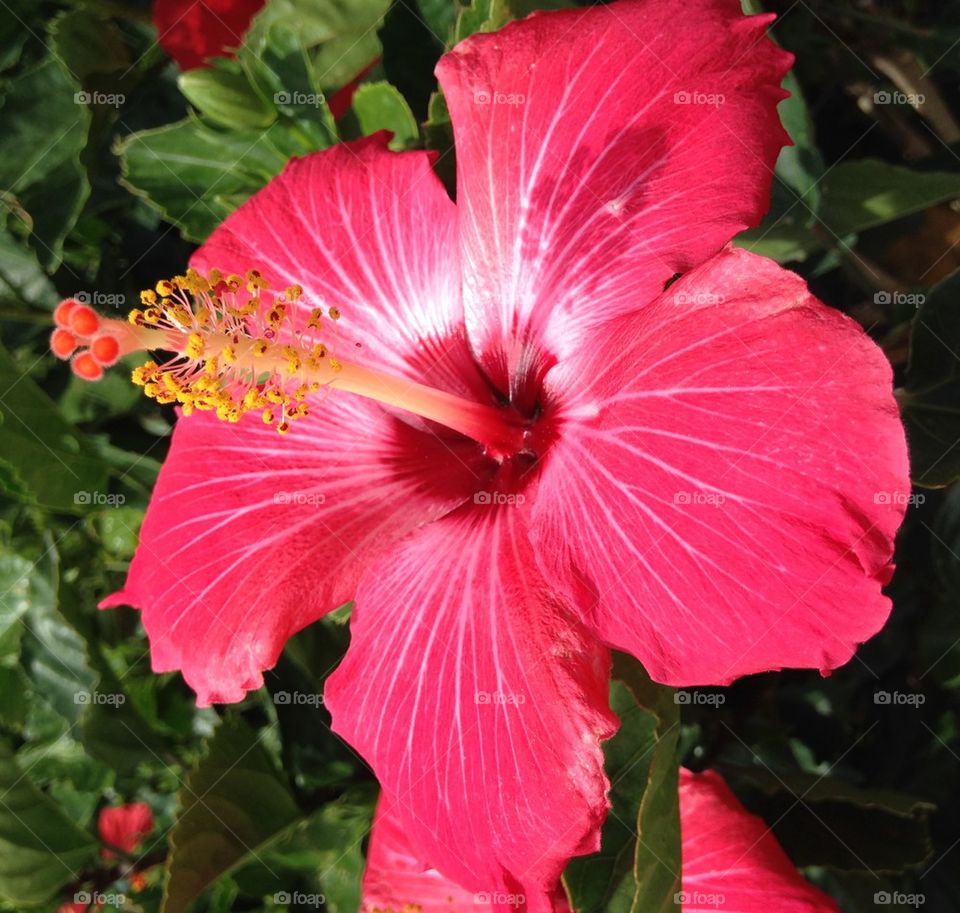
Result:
[728,483]
[124,826]
[731,860]
[191,31]
[372,233]
[600,151]
[395,879]
[479,702]
[249,536]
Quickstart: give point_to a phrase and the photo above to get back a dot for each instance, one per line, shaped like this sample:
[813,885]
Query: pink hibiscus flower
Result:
[123,827]
[535,446]
[193,31]
[731,861]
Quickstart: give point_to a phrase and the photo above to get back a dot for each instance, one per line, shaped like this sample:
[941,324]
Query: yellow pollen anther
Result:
[238,347]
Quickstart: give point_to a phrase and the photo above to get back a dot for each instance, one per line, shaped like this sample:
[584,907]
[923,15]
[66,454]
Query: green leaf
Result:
[480,16]
[838,825]
[380,106]
[637,868]
[323,852]
[72,778]
[492,15]
[17,590]
[438,134]
[313,757]
[117,735]
[338,39]
[232,804]
[930,400]
[197,175]
[14,31]
[36,437]
[88,43]
[781,241]
[800,166]
[41,848]
[40,148]
[439,16]
[223,93]
[865,193]
[22,279]
[54,654]
[54,205]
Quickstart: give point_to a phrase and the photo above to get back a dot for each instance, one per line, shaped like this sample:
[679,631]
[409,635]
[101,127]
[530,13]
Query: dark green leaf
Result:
[232,804]
[930,401]
[54,654]
[22,279]
[324,853]
[40,847]
[783,242]
[637,868]
[40,150]
[36,437]
[88,43]
[379,106]
[823,821]
[861,194]
[338,39]
[223,93]
[196,175]
[800,166]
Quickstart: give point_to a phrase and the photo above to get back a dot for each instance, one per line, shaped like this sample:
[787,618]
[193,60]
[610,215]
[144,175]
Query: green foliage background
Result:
[112,168]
